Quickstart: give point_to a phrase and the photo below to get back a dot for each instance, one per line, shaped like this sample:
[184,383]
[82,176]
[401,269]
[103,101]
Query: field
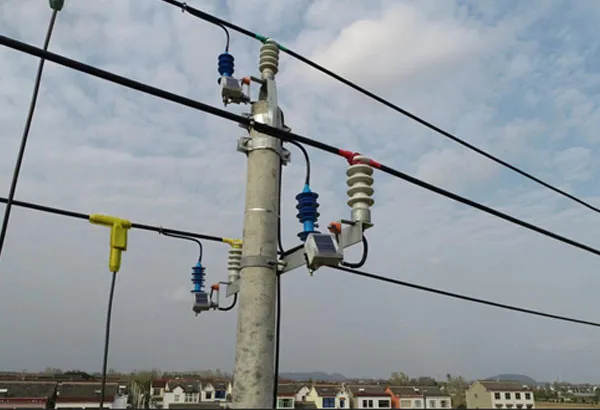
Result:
[544,405]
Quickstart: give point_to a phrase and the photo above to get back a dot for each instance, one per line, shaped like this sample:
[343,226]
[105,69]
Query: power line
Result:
[111,296]
[223,23]
[277,133]
[464,297]
[25,135]
[134,225]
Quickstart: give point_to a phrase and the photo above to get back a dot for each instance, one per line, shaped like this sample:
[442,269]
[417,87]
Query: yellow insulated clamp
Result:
[118,237]
[234,243]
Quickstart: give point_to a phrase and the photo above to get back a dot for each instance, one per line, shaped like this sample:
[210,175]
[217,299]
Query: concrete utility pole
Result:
[254,359]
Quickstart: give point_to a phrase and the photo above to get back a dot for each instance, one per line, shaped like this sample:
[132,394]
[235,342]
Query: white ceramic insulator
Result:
[269,57]
[360,190]
[234,264]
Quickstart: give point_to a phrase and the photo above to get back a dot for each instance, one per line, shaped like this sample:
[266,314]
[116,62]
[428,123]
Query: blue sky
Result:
[519,79]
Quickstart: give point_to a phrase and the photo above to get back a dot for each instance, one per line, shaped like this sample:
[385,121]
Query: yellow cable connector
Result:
[118,237]
[235,243]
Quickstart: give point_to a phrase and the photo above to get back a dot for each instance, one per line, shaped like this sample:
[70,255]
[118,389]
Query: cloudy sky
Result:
[520,79]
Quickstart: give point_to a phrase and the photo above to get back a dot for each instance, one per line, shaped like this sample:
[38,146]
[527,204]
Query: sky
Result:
[519,79]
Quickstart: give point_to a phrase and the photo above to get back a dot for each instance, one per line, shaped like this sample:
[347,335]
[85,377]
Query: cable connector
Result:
[57,4]
[118,237]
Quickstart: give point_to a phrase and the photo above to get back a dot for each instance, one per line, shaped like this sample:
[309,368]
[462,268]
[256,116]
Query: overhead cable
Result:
[134,225]
[277,133]
[223,23]
[464,297]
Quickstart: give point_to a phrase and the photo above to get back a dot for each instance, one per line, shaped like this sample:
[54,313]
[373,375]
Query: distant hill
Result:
[514,378]
[334,377]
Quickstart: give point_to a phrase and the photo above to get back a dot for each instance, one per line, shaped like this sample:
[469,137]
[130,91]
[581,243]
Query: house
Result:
[328,396]
[157,391]
[181,391]
[370,396]
[487,394]
[305,405]
[286,396]
[216,390]
[435,398]
[406,397]
[27,394]
[87,395]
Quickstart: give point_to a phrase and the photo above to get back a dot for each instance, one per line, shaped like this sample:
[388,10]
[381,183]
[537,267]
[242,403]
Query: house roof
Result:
[432,391]
[187,385]
[327,390]
[305,405]
[287,389]
[373,390]
[491,385]
[406,391]
[85,391]
[158,384]
[27,389]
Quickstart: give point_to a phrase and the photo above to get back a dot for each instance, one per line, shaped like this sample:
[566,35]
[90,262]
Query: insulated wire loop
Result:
[464,297]
[172,235]
[223,23]
[275,132]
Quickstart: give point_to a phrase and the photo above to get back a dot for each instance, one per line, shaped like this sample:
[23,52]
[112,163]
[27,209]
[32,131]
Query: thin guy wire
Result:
[25,135]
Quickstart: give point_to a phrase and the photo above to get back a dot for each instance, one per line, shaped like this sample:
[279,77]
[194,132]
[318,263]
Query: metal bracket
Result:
[254,261]
[233,288]
[247,144]
[249,262]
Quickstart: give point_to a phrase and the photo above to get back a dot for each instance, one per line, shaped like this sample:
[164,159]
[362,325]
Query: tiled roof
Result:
[85,391]
[406,391]
[432,391]
[327,390]
[376,390]
[492,385]
[187,385]
[159,384]
[287,389]
[22,389]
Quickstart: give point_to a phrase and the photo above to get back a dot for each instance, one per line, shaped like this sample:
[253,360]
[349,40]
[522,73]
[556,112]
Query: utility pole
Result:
[254,359]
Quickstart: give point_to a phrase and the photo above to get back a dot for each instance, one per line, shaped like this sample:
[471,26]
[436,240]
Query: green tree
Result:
[399,379]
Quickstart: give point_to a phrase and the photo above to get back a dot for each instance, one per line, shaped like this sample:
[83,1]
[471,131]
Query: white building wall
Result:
[435,402]
[83,405]
[513,402]
[302,393]
[359,402]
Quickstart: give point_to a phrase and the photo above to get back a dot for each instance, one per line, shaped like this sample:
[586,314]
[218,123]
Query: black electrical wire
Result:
[25,135]
[464,297]
[275,132]
[184,7]
[363,259]
[172,235]
[225,309]
[107,336]
[223,23]
[82,216]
